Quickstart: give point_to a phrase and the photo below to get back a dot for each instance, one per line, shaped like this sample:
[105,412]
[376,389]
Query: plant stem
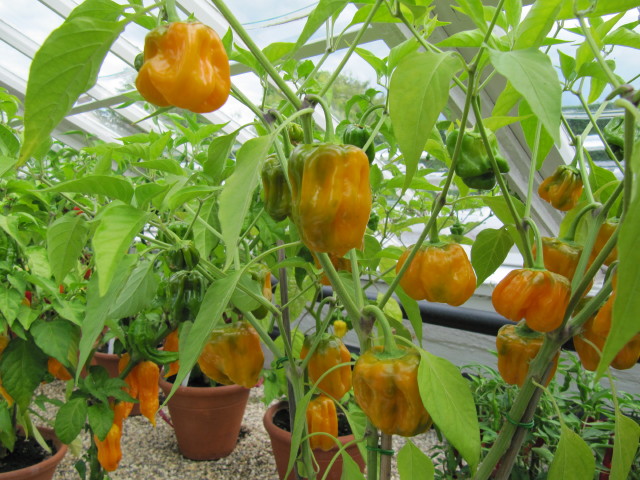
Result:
[583,171]
[532,170]
[596,51]
[328,125]
[383,325]
[598,130]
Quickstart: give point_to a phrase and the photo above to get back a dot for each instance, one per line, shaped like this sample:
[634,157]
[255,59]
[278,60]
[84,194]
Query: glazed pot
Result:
[281,446]
[109,361]
[45,469]
[206,420]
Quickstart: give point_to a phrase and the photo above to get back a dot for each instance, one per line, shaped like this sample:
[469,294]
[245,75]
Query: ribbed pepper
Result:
[439,273]
[233,354]
[358,135]
[186,66]
[341,264]
[516,348]
[261,274]
[277,195]
[539,296]
[171,343]
[58,370]
[329,353]
[562,189]
[603,235]
[560,257]
[386,389]
[474,165]
[143,385]
[322,417]
[109,451]
[330,196]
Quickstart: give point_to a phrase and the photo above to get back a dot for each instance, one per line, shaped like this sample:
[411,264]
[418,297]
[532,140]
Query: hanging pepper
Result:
[340,328]
[560,257]
[613,133]
[474,165]
[58,370]
[563,188]
[296,133]
[603,235]
[517,345]
[143,336]
[386,389]
[184,256]
[131,388]
[330,196]
[185,291]
[322,417]
[171,343]
[539,296]
[358,135]
[109,451]
[595,331]
[143,384]
[329,353]
[260,273]
[186,66]
[233,354]
[439,273]
[277,195]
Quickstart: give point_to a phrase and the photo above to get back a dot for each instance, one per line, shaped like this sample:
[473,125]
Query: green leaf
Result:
[204,240]
[507,99]
[400,51]
[573,459]
[22,367]
[38,262]
[10,301]
[413,464]
[184,195]
[529,124]
[100,419]
[65,66]
[412,310]
[237,193]
[625,446]
[467,38]
[532,75]
[323,11]
[148,191]
[276,50]
[219,150]
[626,321]
[513,11]
[599,8]
[119,224]
[567,65]
[163,165]
[350,469]
[58,339]
[70,419]
[372,59]
[6,164]
[113,187]
[447,397]
[7,430]
[496,123]
[213,304]
[489,251]
[624,37]
[66,237]
[475,11]
[418,92]
[138,293]
[537,24]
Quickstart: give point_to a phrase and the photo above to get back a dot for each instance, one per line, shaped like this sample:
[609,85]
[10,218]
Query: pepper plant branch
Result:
[350,50]
[629,139]
[242,98]
[257,52]
[204,223]
[381,321]
[172,12]
[598,130]
[539,260]
[374,132]
[586,31]
[328,121]
[574,324]
[573,228]
[583,171]
[355,275]
[532,170]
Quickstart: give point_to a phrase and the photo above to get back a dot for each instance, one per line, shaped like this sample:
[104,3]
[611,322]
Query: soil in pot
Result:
[206,420]
[276,422]
[29,461]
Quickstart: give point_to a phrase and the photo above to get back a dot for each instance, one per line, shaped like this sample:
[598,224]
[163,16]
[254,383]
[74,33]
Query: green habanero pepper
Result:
[277,195]
[358,135]
[185,291]
[296,134]
[474,166]
[613,133]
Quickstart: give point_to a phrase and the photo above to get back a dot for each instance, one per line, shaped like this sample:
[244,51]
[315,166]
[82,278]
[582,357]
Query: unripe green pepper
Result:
[296,134]
[277,195]
[185,291]
[474,165]
[358,135]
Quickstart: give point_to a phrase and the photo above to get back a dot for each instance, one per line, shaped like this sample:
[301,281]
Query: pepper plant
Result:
[138,188]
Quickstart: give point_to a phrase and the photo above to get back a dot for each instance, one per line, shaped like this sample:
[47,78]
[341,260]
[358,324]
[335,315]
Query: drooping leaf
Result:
[414,464]
[447,397]
[418,92]
[219,150]
[66,237]
[569,7]
[625,446]
[536,25]
[71,419]
[624,37]
[58,339]
[137,293]
[323,11]
[113,187]
[22,367]
[203,238]
[350,469]
[489,251]
[573,459]
[100,419]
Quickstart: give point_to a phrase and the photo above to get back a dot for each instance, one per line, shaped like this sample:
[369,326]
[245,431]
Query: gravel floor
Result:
[152,453]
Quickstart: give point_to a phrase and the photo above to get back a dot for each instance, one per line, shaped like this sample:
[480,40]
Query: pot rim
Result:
[52,461]
[202,391]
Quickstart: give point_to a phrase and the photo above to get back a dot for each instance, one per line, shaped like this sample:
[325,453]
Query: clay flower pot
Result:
[109,361]
[45,469]
[281,446]
[206,419]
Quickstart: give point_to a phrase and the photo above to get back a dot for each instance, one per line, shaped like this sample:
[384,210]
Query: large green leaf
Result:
[119,224]
[100,419]
[10,301]
[350,469]
[447,397]
[138,293]
[418,92]
[65,66]
[625,446]
[537,24]
[489,251]
[529,124]
[623,36]
[22,367]
[66,238]
[531,73]
[413,464]
[573,459]
[237,193]
[323,11]
[71,419]
[569,7]
[217,155]
[58,339]
[113,187]
[204,240]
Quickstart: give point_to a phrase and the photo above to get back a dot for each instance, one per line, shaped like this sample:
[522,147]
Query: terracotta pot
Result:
[281,446]
[206,419]
[110,363]
[45,469]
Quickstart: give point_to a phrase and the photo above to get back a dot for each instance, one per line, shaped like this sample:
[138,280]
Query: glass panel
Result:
[13,61]
[30,17]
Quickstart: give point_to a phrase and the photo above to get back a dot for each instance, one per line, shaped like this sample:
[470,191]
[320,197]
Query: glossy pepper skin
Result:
[560,257]
[185,291]
[602,237]
[277,195]
[233,354]
[596,330]
[109,451]
[186,66]
[322,417]
[358,135]
[142,381]
[516,348]
[171,343]
[330,196]
[386,389]
[474,166]
[539,296]
[562,189]
[439,273]
[58,370]
[329,353]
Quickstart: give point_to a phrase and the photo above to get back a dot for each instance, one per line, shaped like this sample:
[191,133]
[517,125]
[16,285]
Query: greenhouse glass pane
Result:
[30,17]
[14,61]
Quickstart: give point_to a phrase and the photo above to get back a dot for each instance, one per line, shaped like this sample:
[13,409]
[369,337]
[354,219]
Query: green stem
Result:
[574,324]
[629,140]
[570,236]
[328,121]
[355,275]
[172,12]
[583,171]
[539,260]
[586,31]
[242,98]
[350,50]
[369,111]
[372,311]
[598,130]
[264,336]
[257,52]
[532,171]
